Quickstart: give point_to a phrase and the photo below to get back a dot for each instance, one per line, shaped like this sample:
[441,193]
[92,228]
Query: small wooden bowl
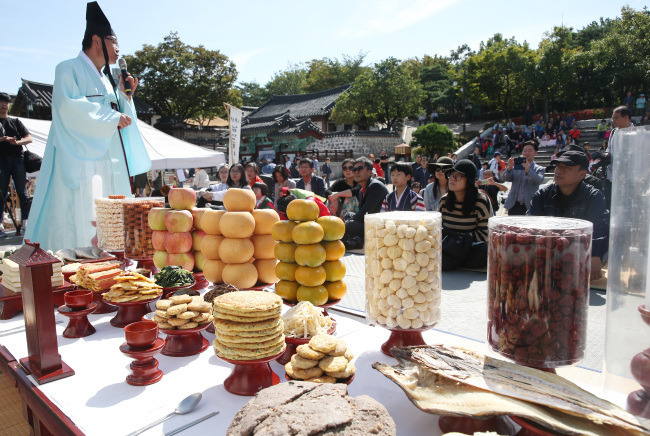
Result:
[78,299]
[141,334]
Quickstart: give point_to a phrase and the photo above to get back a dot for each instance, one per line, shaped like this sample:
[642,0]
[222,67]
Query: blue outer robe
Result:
[83,142]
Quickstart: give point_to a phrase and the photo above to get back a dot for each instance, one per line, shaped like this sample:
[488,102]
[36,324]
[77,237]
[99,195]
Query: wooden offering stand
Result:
[181,343]
[144,368]
[168,292]
[403,338]
[79,326]
[102,306]
[347,381]
[119,255]
[130,311]
[200,281]
[147,264]
[248,377]
[44,361]
[462,424]
[638,402]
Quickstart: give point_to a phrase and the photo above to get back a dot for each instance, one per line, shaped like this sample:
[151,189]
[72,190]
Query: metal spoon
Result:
[185,406]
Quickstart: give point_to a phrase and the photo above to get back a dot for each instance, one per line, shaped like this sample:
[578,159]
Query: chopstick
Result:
[190,424]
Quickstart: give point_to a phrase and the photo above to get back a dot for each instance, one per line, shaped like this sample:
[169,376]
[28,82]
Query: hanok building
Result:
[288,124]
[34,100]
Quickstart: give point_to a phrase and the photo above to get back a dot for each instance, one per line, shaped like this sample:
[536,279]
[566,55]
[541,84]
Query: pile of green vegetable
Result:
[173,276]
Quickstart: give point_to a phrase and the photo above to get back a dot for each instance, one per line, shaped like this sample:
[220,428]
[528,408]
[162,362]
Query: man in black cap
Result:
[570,197]
[13,136]
[93,141]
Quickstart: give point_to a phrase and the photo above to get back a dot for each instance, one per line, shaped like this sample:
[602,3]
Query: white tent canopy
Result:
[164,150]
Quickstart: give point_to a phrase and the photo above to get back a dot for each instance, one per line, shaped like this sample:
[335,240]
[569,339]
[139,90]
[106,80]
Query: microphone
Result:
[127,87]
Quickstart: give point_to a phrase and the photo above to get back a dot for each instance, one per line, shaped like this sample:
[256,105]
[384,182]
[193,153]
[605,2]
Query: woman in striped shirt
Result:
[465,213]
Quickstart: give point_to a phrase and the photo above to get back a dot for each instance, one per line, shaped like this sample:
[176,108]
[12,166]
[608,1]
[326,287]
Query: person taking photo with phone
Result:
[526,176]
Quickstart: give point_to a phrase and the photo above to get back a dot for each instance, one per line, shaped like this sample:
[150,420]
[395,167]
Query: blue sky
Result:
[263,37]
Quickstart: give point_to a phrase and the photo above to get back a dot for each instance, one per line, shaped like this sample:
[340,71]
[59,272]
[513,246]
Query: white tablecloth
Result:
[99,401]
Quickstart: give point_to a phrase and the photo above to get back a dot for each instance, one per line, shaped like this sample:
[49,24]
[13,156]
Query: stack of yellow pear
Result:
[309,250]
[238,247]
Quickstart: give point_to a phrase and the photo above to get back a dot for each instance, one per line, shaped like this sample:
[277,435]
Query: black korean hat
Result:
[466,167]
[96,22]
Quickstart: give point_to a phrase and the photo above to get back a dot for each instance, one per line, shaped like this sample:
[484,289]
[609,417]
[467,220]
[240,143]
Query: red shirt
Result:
[257,179]
[378,169]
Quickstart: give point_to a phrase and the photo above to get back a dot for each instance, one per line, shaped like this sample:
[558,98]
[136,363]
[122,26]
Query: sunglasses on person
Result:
[456,176]
[348,168]
[357,169]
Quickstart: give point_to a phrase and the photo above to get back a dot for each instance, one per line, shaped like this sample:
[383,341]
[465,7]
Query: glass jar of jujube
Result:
[538,288]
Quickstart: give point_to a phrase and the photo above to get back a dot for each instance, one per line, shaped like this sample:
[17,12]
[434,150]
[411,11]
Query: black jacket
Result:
[587,203]
[317,186]
[371,200]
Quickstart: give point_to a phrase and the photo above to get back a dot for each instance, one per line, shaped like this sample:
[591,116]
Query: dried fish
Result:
[97,252]
[66,254]
[518,382]
[437,395]
[84,253]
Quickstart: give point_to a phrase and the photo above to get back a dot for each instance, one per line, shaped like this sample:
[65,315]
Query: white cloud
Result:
[242,57]
[379,17]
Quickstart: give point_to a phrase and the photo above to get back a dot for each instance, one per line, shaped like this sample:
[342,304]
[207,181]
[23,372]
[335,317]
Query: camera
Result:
[519,163]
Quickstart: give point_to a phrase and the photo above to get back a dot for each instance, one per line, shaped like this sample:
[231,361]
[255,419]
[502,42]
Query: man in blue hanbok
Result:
[93,130]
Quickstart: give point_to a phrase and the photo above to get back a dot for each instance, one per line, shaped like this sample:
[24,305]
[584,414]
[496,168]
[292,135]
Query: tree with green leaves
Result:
[288,82]
[495,75]
[553,73]
[329,73]
[253,94]
[624,54]
[435,76]
[387,94]
[434,138]
[183,80]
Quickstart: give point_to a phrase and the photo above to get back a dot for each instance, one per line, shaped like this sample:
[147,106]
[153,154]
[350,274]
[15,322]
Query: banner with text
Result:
[235,134]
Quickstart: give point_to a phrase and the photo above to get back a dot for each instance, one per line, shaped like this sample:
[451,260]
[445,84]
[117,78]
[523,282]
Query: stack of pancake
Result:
[248,325]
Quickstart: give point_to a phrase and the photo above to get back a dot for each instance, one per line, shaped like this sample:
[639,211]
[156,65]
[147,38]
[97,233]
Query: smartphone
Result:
[518,163]
[484,182]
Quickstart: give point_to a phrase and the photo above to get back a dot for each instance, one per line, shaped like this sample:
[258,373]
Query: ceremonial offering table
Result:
[98,401]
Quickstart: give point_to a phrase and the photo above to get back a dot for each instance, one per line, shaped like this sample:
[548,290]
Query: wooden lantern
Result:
[44,361]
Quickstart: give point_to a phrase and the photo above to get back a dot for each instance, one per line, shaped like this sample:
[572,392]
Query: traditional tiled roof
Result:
[246,110]
[40,94]
[299,105]
[282,125]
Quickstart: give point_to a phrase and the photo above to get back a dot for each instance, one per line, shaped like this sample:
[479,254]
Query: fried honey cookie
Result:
[322,379]
[177,309]
[323,343]
[302,374]
[347,372]
[340,349]
[300,362]
[308,353]
[332,364]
